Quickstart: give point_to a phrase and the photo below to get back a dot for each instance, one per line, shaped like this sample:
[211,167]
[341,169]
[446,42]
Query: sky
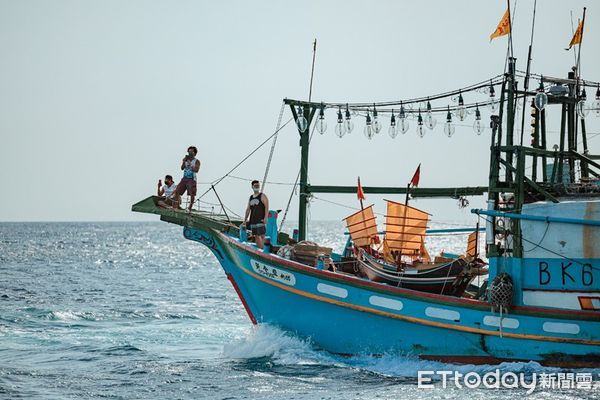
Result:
[100,99]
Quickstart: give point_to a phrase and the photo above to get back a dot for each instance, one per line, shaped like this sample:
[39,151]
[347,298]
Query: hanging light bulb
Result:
[541,98]
[369,131]
[461,111]
[581,105]
[376,124]
[477,125]
[449,126]
[597,102]
[301,120]
[404,125]
[321,123]
[392,130]
[430,121]
[420,127]
[348,124]
[339,127]
[493,104]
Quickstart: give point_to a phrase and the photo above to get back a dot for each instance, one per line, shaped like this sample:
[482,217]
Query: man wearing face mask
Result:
[190,167]
[257,211]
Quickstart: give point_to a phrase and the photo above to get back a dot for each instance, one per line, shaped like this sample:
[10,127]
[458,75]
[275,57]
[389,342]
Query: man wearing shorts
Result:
[257,210]
[190,166]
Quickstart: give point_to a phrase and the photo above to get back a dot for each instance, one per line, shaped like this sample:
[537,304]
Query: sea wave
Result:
[284,348]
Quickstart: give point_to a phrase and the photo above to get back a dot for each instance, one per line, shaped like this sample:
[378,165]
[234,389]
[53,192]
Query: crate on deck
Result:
[308,252]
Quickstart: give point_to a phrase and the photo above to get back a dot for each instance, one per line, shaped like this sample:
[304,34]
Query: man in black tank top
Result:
[257,213]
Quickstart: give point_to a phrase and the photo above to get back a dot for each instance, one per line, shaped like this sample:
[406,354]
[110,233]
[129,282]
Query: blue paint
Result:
[272,226]
[541,218]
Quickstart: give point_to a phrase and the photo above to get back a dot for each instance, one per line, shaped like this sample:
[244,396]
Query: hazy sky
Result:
[98,100]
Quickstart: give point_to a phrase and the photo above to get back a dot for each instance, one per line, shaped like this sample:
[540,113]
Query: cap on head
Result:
[255,182]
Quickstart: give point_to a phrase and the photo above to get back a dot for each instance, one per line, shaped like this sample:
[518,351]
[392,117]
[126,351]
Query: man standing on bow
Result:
[190,166]
[257,211]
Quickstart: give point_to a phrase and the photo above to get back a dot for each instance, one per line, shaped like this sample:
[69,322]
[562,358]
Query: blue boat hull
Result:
[349,315]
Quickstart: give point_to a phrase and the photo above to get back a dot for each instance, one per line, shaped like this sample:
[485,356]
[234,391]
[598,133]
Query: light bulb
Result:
[348,124]
[339,127]
[449,126]
[301,121]
[430,120]
[321,123]
[403,124]
[461,111]
[540,101]
[477,125]
[368,130]
[582,109]
[376,124]
[493,103]
[420,126]
[393,130]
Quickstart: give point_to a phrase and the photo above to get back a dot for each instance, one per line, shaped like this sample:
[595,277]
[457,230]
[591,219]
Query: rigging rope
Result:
[264,181]
[217,181]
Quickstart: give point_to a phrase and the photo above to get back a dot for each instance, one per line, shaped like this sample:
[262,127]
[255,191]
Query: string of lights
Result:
[424,112]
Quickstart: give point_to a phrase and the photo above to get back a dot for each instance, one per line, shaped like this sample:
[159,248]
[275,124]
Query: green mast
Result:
[308,112]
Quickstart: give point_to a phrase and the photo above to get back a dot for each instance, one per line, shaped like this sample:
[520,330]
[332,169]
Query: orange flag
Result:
[503,27]
[414,182]
[359,191]
[577,36]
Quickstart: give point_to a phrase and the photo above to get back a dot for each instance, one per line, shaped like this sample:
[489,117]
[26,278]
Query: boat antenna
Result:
[312,71]
[526,80]
[510,15]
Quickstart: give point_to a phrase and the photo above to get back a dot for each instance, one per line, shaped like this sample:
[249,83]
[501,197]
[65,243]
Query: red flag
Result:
[359,191]
[414,182]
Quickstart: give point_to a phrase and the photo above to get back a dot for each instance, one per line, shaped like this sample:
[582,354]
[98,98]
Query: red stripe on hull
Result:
[239,293]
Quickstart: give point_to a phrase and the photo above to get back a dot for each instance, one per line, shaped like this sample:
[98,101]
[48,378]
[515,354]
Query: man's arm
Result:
[197,166]
[183,163]
[266,203]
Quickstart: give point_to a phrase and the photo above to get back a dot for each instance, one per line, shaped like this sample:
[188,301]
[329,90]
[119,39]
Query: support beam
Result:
[415,192]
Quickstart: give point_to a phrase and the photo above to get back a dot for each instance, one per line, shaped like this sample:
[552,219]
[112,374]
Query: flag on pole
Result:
[503,26]
[359,191]
[577,36]
[414,182]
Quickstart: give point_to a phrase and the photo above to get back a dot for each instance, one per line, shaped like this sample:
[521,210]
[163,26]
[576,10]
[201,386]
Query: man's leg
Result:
[260,241]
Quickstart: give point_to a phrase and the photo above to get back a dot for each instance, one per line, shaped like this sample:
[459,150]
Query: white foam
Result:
[285,349]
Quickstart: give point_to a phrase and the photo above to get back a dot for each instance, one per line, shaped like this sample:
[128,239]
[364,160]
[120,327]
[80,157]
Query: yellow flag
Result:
[503,27]
[577,36]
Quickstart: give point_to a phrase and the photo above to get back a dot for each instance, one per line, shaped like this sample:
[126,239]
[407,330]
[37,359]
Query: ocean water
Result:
[134,311]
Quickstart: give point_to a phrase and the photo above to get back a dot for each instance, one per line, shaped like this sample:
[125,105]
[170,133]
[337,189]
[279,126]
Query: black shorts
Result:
[258,229]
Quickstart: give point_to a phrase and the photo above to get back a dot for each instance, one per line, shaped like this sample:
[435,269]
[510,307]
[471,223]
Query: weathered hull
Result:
[349,315]
[438,280]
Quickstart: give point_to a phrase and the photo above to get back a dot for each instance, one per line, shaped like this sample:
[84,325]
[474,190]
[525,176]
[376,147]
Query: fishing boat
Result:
[401,258]
[542,235]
